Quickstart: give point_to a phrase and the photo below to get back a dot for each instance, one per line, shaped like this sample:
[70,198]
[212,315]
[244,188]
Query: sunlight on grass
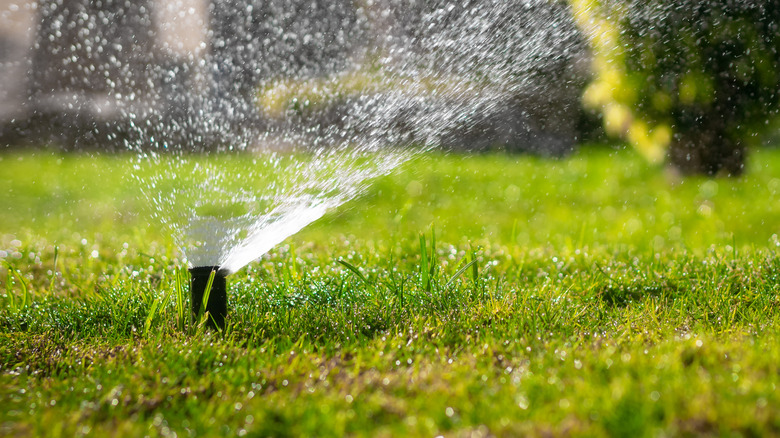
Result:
[489,294]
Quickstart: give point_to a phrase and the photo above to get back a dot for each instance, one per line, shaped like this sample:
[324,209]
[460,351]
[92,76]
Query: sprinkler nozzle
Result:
[217,299]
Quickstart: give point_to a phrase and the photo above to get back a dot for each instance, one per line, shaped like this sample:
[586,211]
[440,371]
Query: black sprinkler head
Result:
[217,304]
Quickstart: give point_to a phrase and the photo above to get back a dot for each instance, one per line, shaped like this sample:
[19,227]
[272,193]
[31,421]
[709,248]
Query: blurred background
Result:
[691,83]
[77,72]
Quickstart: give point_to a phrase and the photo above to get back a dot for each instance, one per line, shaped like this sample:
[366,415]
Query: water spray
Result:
[216,302]
[371,81]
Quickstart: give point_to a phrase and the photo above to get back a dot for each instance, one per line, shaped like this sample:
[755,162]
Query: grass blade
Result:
[432,256]
[424,273]
[207,291]
[355,270]
[474,267]
[25,291]
[460,271]
[150,316]
[181,311]
[203,315]
[54,268]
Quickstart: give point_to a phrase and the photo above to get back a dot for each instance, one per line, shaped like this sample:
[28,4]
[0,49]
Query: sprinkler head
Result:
[217,299]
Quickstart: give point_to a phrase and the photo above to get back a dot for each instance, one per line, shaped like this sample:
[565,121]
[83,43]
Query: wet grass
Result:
[463,295]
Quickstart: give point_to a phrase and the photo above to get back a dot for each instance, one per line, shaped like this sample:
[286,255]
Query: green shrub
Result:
[693,81]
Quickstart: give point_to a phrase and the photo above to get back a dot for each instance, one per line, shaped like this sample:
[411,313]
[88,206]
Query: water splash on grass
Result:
[309,133]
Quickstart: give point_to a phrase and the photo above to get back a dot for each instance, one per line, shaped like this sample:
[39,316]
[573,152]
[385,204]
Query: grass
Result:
[463,296]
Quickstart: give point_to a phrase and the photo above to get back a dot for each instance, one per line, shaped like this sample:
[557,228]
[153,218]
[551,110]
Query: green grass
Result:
[463,295]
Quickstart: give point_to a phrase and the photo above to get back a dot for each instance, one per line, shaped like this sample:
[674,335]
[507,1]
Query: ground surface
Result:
[605,297]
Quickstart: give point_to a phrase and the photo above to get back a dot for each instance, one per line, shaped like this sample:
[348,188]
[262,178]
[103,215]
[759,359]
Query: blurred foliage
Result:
[694,81]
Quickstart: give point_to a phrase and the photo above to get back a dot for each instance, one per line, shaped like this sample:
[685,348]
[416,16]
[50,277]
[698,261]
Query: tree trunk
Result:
[707,152]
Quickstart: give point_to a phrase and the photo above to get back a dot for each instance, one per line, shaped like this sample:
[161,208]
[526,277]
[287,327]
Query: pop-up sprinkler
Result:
[217,297]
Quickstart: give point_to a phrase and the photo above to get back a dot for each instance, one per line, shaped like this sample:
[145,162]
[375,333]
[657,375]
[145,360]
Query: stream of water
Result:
[314,131]
[251,119]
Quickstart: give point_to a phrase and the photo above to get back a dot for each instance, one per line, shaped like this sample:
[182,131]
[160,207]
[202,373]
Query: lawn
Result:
[463,295]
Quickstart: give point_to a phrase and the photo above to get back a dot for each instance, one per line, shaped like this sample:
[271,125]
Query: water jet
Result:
[210,283]
[250,119]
